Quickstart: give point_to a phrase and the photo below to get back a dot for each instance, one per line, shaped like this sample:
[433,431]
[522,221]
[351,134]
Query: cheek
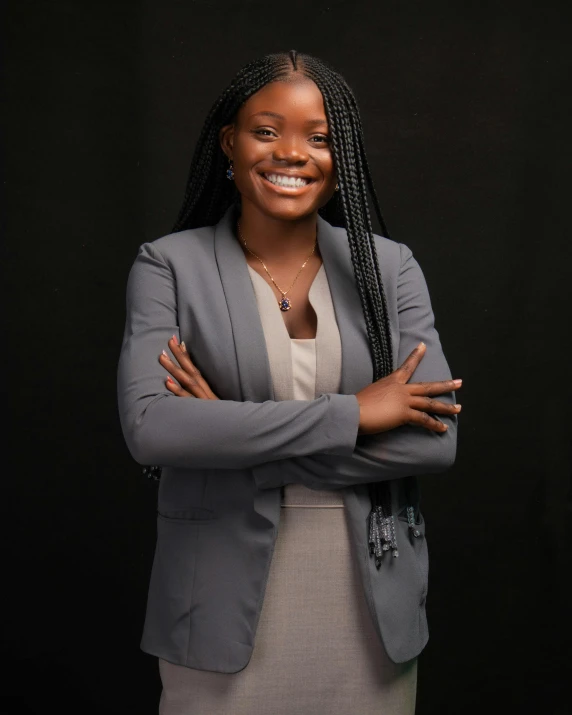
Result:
[328,168]
[248,152]
[245,162]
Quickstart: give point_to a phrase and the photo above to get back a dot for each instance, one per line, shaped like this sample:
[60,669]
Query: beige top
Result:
[303,352]
[298,371]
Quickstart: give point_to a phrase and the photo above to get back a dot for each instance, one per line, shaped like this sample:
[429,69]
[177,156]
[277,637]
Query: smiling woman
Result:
[285,418]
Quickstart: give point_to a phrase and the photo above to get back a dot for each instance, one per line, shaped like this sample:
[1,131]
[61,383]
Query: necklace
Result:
[284,303]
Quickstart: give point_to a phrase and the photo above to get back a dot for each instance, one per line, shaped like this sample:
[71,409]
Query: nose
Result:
[291,150]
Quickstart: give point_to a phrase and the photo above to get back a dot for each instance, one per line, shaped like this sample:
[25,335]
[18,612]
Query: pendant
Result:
[284,303]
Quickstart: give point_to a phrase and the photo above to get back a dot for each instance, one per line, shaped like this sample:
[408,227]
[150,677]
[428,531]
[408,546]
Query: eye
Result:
[321,138]
[269,132]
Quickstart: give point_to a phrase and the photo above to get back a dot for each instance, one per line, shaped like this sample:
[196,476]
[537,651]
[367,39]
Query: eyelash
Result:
[322,137]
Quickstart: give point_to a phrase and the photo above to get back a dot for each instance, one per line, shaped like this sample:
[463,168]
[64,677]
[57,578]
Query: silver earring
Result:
[337,187]
[230,171]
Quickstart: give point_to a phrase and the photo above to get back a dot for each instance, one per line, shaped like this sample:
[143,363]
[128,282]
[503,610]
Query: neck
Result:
[277,240]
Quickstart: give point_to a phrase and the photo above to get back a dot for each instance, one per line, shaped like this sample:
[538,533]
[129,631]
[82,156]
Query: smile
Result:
[287,182]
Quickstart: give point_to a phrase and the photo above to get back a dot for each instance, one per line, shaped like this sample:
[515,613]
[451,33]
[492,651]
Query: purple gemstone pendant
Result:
[284,303]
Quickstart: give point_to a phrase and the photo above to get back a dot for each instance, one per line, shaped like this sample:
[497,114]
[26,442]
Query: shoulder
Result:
[388,251]
[392,255]
[192,239]
[397,256]
[174,248]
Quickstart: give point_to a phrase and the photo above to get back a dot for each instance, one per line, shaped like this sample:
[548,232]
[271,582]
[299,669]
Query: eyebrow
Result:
[274,115]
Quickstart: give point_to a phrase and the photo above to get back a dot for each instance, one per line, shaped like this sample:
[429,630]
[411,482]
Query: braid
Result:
[354,178]
[208,194]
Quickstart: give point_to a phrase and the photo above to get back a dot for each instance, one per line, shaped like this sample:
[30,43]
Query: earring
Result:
[337,187]
[230,171]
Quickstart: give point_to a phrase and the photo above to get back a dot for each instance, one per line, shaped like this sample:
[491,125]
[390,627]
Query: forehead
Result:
[299,101]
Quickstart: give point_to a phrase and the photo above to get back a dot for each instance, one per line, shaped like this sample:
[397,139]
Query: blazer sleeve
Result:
[160,428]
[406,450]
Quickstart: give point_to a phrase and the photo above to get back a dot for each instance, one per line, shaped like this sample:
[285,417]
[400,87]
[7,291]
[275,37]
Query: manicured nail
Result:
[175,339]
[165,354]
[421,344]
[170,380]
[457,407]
[458,382]
[183,346]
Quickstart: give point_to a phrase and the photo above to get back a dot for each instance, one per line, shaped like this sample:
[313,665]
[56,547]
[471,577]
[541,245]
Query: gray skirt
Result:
[316,650]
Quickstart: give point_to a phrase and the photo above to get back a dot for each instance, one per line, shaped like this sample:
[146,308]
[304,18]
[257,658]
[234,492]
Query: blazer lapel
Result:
[251,356]
[357,367]
[247,332]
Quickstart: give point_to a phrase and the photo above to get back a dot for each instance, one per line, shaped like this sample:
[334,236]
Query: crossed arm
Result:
[406,450]
[313,442]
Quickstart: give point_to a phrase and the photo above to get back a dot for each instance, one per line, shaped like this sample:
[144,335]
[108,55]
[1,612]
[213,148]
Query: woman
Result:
[290,573]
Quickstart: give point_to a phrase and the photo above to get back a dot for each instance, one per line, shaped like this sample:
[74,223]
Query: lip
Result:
[287,189]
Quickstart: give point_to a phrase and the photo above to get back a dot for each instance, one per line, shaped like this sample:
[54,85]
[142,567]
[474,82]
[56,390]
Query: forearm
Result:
[223,434]
[404,451]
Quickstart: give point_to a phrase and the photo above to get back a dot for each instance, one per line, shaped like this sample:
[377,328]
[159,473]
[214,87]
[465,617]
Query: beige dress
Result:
[316,651]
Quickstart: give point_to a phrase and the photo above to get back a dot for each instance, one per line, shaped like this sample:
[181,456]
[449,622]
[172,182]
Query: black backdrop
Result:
[466,113]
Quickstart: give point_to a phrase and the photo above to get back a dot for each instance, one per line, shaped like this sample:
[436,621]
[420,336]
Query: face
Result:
[280,146]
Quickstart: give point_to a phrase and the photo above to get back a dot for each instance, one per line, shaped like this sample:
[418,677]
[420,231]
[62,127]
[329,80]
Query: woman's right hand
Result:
[391,402]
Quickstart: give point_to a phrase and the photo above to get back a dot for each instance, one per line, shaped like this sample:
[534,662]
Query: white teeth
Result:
[280,180]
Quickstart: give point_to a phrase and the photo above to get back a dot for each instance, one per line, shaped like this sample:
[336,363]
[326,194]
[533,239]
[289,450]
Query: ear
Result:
[226,138]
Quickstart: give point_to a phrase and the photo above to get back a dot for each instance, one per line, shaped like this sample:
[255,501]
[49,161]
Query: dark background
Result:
[466,111]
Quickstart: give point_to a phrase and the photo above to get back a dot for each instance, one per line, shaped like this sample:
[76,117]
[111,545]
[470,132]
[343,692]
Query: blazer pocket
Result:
[419,547]
[195,515]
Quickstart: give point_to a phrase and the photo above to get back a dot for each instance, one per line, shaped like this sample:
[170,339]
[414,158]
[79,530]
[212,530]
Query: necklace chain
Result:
[284,303]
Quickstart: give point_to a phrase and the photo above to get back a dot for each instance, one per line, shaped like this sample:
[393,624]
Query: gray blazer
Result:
[225,460]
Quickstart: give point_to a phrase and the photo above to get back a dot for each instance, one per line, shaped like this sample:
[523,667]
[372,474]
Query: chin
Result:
[286,208]
[290,212]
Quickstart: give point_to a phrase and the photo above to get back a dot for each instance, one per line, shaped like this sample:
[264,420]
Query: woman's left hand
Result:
[190,381]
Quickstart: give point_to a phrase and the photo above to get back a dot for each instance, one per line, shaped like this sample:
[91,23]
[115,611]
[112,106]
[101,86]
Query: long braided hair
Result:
[208,194]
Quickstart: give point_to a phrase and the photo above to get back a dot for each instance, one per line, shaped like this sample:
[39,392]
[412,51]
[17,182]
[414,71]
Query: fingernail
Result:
[170,380]
[165,354]
[183,346]
[175,339]
[458,382]
[421,344]
[457,407]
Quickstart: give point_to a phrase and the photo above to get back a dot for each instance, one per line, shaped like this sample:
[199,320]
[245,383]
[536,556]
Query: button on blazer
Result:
[224,461]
